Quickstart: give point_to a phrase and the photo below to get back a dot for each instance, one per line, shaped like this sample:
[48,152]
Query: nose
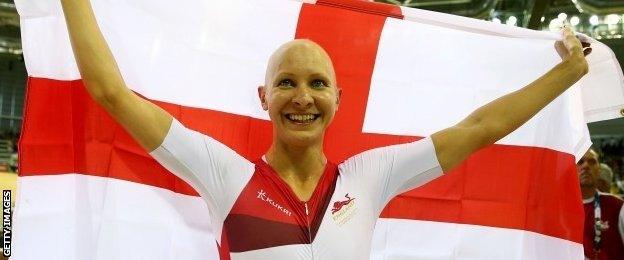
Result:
[303,98]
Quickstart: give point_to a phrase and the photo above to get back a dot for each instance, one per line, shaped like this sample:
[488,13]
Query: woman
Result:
[293,203]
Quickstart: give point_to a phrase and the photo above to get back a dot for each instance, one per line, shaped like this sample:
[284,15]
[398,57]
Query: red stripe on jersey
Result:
[267,213]
[252,233]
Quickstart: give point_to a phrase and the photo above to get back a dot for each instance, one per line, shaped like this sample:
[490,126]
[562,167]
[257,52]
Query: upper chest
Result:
[303,189]
[268,206]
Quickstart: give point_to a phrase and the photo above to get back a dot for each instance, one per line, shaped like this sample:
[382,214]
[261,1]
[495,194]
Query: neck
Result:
[588,192]
[302,163]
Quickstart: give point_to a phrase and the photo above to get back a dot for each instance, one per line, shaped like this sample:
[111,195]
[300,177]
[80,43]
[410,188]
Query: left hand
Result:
[572,45]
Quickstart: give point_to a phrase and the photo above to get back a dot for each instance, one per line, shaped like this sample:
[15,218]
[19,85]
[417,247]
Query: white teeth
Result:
[301,118]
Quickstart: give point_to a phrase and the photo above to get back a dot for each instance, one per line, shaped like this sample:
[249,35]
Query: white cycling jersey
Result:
[255,214]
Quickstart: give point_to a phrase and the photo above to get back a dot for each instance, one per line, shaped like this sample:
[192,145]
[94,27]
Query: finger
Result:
[566,30]
[561,49]
[587,51]
[567,34]
[570,41]
[583,38]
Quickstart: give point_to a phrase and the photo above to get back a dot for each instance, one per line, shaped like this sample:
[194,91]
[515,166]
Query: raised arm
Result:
[145,121]
[502,116]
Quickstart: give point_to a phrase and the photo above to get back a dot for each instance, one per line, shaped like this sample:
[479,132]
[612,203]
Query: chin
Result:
[302,138]
[587,184]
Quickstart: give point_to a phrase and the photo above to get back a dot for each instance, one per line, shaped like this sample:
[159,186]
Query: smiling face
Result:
[300,93]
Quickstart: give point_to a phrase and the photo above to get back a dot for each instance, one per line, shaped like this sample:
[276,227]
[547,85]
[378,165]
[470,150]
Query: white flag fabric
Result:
[88,191]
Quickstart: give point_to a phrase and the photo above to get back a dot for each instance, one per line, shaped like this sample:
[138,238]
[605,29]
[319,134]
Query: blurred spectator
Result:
[606,178]
[603,234]
[618,185]
[13,162]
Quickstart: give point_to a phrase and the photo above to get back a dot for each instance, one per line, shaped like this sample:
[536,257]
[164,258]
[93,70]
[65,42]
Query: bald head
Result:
[302,54]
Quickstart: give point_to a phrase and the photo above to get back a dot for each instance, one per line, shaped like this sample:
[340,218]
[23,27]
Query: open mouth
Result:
[302,118]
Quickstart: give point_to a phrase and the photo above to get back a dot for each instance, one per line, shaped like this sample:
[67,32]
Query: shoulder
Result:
[412,157]
[421,146]
[372,155]
[611,199]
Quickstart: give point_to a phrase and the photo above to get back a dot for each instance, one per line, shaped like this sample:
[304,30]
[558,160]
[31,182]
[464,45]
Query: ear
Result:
[338,96]
[262,96]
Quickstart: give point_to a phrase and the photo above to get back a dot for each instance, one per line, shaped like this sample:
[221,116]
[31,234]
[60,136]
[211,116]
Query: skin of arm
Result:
[146,122]
[497,119]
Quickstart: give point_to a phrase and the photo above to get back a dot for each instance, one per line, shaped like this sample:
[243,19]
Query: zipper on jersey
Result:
[306,208]
[307,212]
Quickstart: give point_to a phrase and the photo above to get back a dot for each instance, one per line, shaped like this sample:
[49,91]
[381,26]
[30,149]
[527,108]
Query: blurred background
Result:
[12,86]
[600,19]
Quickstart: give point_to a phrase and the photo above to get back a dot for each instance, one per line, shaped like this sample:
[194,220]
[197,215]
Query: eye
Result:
[317,83]
[286,83]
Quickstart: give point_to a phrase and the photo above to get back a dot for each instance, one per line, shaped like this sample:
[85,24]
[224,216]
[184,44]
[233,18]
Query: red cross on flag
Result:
[88,191]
